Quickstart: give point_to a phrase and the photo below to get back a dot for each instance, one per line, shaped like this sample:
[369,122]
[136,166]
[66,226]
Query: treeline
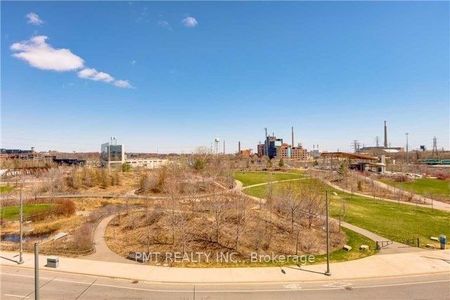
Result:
[56,180]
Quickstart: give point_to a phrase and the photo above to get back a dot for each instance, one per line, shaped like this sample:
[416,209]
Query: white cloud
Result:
[33,18]
[190,22]
[95,75]
[43,56]
[164,24]
[123,84]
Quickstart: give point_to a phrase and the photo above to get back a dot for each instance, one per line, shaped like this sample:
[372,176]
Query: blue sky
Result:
[172,76]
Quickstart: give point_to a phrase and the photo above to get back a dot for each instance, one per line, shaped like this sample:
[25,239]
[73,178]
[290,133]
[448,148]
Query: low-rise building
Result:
[149,163]
[112,155]
[299,153]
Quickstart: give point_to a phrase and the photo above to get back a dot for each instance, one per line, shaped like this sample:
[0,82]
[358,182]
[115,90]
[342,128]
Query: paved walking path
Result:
[436,204]
[441,206]
[267,183]
[102,251]
[403,264]
[392,247]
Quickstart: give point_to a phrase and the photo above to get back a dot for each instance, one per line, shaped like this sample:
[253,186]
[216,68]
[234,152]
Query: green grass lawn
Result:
[354,240]
[250,178]
[424,186]
[393,221]
[5,189]
[12,212]
[397,222]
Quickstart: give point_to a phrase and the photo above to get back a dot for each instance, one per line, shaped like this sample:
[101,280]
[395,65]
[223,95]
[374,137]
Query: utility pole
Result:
[21,223]
[36,271]
[328,235]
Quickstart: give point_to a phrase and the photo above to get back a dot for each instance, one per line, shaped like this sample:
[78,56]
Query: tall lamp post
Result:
[36,271]
[328,234]
[21,226]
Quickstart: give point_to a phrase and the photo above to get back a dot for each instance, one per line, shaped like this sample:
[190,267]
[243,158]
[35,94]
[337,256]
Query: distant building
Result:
[18,153]
[112,155]
[272,143]
[283,151]
[274,147]
[379,150]
[261,149]
[299,153]
[245,153]
[149,163]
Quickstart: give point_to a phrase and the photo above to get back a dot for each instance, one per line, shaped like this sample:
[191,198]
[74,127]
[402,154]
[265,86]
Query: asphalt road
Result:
[18,283]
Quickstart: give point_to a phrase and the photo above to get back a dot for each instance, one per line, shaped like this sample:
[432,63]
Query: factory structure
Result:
[377,149]
[112,155]
[274,147]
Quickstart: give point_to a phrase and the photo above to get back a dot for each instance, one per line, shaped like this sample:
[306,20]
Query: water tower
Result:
[216,145]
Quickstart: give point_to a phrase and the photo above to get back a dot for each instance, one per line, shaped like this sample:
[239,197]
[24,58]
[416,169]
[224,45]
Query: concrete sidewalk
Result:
[402,264]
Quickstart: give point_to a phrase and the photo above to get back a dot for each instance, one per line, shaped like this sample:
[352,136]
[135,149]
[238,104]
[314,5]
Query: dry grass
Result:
[262,232]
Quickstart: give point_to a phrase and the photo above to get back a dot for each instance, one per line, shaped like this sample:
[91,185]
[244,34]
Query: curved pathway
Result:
[102,251]
[426,201]
[436,204]
[269,182]
[394,247]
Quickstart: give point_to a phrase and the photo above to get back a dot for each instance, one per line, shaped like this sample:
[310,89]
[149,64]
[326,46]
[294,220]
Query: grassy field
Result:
[5,189]
[424,186]
[12,212]
[250,178]
[354,240]
[398,222]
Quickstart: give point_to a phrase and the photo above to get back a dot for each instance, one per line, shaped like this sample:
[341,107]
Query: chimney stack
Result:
[239,147]
[385,135]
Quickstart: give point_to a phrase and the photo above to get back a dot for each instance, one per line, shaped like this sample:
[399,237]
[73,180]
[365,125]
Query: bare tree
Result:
[218,207]
[241,217]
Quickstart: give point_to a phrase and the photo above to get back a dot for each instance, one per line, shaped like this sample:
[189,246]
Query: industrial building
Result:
[18,153]
[274,147]
[386,148]
[150,163]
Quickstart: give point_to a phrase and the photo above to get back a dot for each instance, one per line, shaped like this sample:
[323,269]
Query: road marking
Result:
[293,286]
[16,296]
[85,290]
[337,284]
[239,290]
[401,284]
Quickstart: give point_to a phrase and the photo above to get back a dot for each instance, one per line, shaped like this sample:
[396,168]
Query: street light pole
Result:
[36,271]
[328,234]
[21,226]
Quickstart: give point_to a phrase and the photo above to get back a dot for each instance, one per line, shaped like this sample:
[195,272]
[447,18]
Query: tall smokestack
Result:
[385,135]
[266,144]
[292,136]
[239,147]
